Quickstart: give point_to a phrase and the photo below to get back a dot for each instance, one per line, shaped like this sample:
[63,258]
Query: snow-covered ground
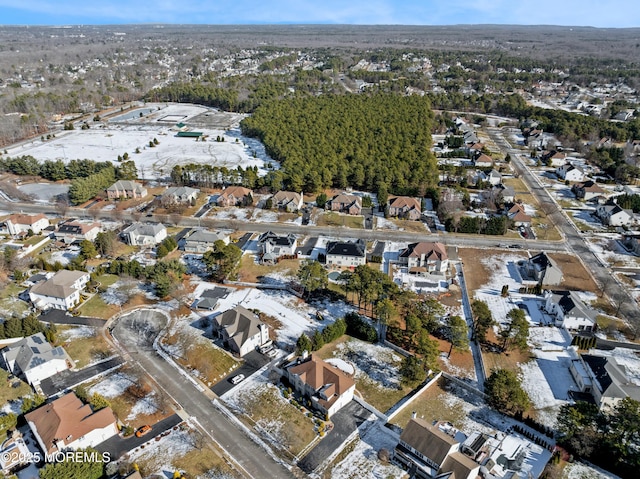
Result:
[606,247]
[77,332]
[65,256]
[372,362]
[44,192]
[578,470]
[105,141]
[113,385]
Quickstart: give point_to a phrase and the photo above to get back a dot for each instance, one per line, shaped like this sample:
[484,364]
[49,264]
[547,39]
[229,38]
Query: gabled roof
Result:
[326,380]
[145,229]
[590,186]
[484,159]
[346,248]
[429,250]
[240,324]
[33,351]
[612,377]
[284,197]
[543,261]
[405,202]
[27,220]
[277,240]
[67,419]
[60,285]
[572,305]
[204,236]
[179,191]
[126,185]
[347,199]
[235,191]
[428,440]
[76,228]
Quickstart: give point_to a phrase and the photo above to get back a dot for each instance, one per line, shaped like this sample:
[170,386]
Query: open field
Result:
[9,299]
[86,350]
[13,391]
[331,218]
[478,274]
[252,272]
[575,276]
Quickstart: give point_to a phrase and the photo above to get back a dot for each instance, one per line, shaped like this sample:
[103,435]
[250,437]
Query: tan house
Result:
[328,387]
[21,224]
[483,161]
[517,215]
[346,254]
[74,231]
[241,330]
[61,291]
[346,203]
[126,189]
[422,258]
[405,207]
[235,196]
[67,423]
[287,200]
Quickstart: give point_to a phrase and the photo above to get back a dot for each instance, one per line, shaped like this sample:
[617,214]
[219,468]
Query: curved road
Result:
[135,333]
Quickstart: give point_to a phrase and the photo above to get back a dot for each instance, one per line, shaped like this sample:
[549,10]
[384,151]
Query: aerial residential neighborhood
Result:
[267,261]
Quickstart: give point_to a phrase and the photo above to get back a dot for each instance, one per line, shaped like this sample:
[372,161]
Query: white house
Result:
[71,231]
[328,387]
[568,172]
[139,234]
[273,246]
[569,311]
[202,241]
[240,330]
[35,358]
[494,177]
[21,224]
[614,215]
[68,424]
[345,254]
[61,291]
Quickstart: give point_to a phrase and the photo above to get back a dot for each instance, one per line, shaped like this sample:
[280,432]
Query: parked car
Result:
[237,379]
[272,353]
[143,430]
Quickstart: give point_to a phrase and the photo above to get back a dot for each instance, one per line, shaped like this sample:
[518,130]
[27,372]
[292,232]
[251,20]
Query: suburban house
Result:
[210,298]
[346,254]
[19,225]
[587,190]
[272,246]
[67,423]
[179,195]
[518,216]
[328,387]
[568,172]
[126,189]
[140,234]
[424,258]
[287,200]
[540,269]
[631,241]
[73,231]
[604,378]
[555,158]
[508,193]
[431,451]
[15,454]
[569,311]
[494,178]
[614,215]
[61,291]
[346,203]
[483,161]
[240,330]
[235,196]
[405,207]
[35,359]
[201,241]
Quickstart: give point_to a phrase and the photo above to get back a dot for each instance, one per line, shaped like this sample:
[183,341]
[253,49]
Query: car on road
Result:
[143,430]
[237,379]
[515,246]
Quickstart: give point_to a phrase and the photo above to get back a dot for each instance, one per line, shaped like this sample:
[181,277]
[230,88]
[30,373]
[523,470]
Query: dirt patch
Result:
[477,274]
[576,277]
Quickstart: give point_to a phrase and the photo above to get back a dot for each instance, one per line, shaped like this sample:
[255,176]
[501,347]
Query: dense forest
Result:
[352,140]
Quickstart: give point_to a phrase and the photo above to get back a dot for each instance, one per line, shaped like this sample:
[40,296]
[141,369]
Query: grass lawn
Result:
[581,225]
[575,276]
[33,240]
[9,299]
[107,280]
[331,218]
[250,271]
[11,391]
[543,228]
[84,351]
[432,405]
[508,360]
[203,462]
[202,355]
[408,225]
[97,308]
[266,409]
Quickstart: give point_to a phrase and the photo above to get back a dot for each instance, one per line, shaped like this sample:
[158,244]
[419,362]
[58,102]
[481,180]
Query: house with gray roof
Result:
[35,359]
[143,234]
[540,269]
[569,311]
[210,298]
[179,195]
[604,378]
[614,215]
[272,246]
[201,241]
[61,291]
[240,330]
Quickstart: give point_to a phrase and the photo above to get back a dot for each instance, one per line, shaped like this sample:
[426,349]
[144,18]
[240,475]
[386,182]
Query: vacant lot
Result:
[330,218]
[86,350]
[252,272]
[575,276]
[11,390]
[478,274]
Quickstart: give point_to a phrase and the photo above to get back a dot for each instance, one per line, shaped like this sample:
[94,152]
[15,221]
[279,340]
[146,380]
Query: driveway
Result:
[69,379]
[58,316]
[116,446]
[252,362]
[135,333]
[345,421]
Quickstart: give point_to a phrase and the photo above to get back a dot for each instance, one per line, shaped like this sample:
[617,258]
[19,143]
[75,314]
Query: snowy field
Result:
[610,251]
[44,192]
[106,141]
[295,315]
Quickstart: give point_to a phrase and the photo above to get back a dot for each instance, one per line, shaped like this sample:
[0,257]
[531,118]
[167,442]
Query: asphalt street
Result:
[135,333]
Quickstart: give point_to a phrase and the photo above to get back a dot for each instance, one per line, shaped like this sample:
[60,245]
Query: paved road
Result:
[68,379]
[135,333]
[575,242]
[252,362]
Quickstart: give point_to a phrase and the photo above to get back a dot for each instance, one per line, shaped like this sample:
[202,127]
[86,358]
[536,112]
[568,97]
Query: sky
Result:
[594,13]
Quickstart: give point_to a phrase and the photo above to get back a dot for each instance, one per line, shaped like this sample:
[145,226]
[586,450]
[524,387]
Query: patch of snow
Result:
[113,385]
[372,361]
[77,333]
[342,365]
[144,407]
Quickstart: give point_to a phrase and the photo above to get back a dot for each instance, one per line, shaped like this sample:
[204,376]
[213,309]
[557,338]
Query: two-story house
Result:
[19,225]
[240,330]
[61,291]
[126,189]
[288,201]
[346,254]
[425,257]
[272,246]
[346,203]
[541,269]
[235,196]
[179,195]
[569,311]
[405,207]
[614,215]
[587,190]
[201,241]
[74,231]
[141,234]
[569,172]
[35,359]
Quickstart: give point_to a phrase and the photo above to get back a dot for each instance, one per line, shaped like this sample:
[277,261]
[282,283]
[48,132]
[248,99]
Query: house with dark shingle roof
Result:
[541,269]
[328,387]
[67,423]
[240,330]
[587,190]
[569,311]
[288,200]
[201,241]
[272,246]
[346,254]
[34,358]
[346,203]
[209,298]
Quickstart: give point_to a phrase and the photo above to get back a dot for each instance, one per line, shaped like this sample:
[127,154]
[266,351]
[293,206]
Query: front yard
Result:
[331,218]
